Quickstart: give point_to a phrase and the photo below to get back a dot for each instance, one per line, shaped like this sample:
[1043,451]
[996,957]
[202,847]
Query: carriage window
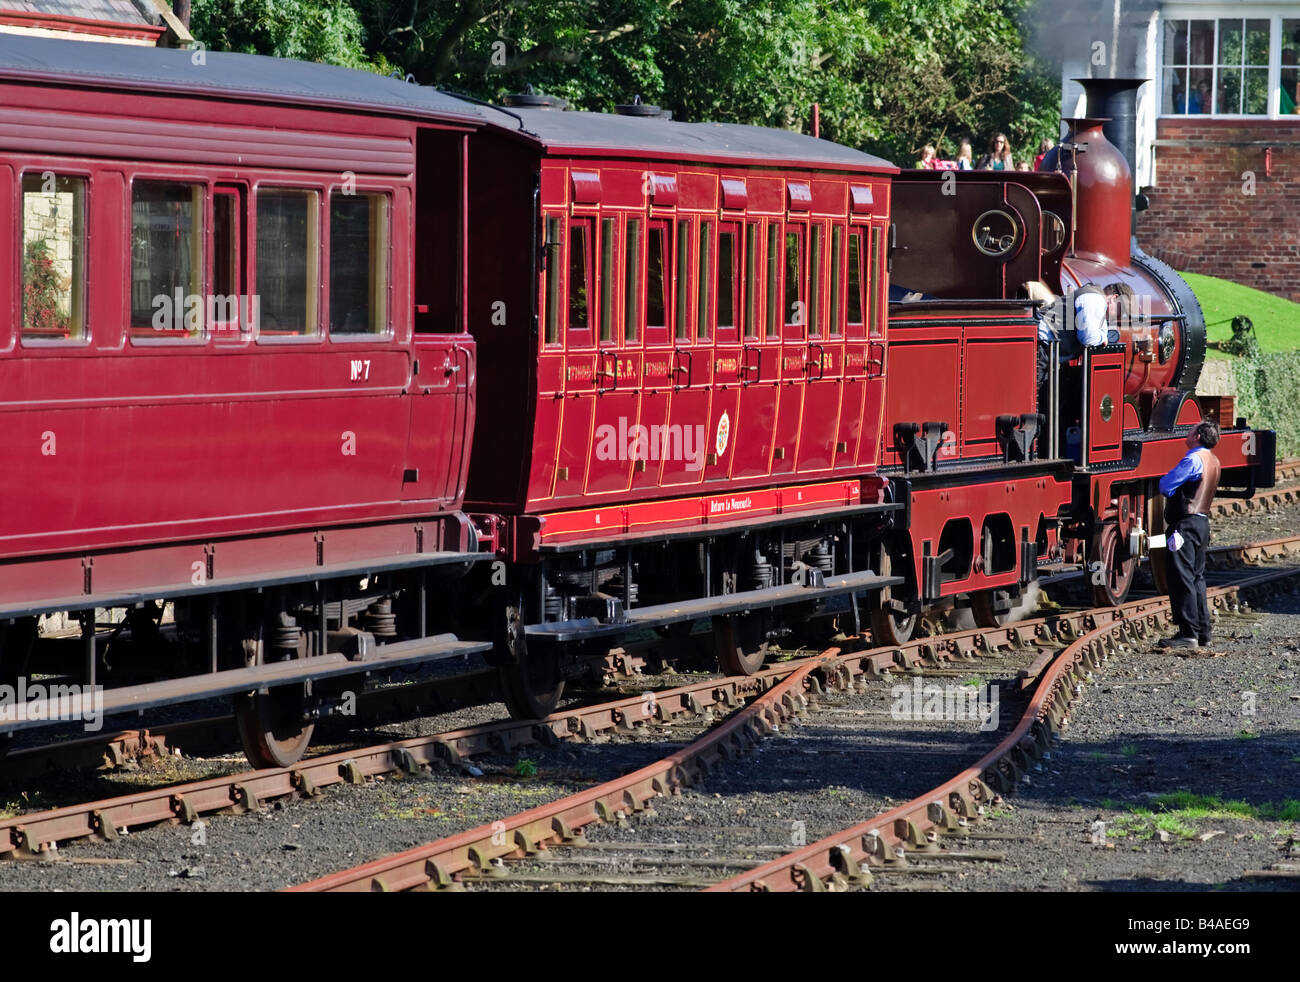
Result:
[855,277]
[815,280]
[358,294]
[53,257]
[727,283]
[227,279]
[288,242]
[166,260]
[608,240]
[773,264]
[683,269]
[632,280]
[554,256]
[751,280]
[579,274]
[837,255]
[656,301]
[873,283]
[793,304]
[704,282]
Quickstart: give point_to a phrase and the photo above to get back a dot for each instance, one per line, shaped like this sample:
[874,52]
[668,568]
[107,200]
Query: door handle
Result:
[679,368]
[821,361]
[746,367]
[612,375]
[871,347]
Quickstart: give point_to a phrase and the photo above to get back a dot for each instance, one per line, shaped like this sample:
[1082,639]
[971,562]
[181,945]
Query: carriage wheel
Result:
[741,645]
[888,626]
[271,722]
[531,684]
[1159,565]
[1112,580]
[271,726]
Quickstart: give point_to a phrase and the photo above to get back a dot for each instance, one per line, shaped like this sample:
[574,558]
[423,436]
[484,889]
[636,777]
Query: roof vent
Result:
[528,99]
[638,108]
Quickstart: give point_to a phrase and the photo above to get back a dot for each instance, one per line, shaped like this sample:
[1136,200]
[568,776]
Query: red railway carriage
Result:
[221,376]
[693,374]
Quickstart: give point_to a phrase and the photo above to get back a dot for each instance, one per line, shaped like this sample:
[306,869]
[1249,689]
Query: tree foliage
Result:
[889,75]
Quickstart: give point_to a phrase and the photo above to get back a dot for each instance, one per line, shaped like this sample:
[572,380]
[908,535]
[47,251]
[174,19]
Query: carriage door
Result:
[861,357]
[792,313]
[824,360]
[652,324]
[874,285]
[614,446]
[580,359]
[682,447]
[760,351]
[728,356]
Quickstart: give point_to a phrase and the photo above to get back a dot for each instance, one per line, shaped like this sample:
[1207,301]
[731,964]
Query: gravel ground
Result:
[1154,725]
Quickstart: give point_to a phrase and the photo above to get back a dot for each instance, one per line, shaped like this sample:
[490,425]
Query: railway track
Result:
[218,734]
[1070,646]
[777,697]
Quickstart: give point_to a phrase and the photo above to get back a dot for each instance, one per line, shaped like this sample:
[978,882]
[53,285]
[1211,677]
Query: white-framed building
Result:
[1217,126]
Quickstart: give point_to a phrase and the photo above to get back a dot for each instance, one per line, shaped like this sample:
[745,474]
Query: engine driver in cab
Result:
[1084,310]
[1189,489]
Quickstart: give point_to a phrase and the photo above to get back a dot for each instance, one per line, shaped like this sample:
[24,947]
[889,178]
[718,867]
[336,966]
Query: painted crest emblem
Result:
[723,435]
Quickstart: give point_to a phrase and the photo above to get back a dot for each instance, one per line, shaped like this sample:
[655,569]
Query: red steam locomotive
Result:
[355,375]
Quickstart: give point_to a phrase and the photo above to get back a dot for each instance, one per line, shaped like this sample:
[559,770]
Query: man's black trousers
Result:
[1187,578]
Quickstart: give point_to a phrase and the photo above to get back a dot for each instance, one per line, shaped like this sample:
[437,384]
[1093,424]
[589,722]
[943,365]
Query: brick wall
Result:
[1202,217]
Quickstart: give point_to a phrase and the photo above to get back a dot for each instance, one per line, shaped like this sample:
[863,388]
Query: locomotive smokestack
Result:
[1103,187]
[1114,100]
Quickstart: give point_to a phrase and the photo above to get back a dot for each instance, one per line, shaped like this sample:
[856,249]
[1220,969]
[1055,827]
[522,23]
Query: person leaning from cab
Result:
[1188,489]
[1084,310]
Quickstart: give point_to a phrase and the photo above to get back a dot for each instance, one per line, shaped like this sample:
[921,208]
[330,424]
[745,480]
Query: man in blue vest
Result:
[1188,490]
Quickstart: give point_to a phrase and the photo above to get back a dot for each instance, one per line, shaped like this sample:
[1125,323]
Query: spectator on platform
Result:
[999,156]
[964,152]
[927,158]
[1043,149]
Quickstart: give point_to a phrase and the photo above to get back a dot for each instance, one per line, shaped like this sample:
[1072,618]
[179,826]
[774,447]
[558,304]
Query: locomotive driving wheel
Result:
[1112,566]
[993,608]
[531,683]
[890,622]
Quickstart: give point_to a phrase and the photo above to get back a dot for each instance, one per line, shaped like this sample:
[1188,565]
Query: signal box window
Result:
[53,250]
[579,276]
[358,264]
[167,238]
[288,242]
[656,291]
